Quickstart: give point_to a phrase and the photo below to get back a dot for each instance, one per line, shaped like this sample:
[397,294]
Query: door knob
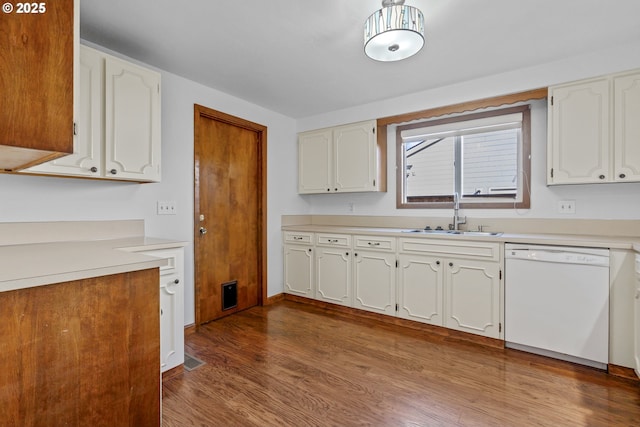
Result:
[203,230]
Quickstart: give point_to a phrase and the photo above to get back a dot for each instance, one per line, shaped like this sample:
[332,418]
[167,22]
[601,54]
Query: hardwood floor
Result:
[292,364]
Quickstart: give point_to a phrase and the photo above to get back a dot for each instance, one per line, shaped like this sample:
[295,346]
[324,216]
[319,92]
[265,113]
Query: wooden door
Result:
[230,212]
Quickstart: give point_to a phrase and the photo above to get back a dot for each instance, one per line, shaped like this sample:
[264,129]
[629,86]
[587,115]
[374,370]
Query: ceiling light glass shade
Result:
[394,32]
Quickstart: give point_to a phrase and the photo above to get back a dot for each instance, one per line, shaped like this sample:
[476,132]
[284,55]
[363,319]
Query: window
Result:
[482,157]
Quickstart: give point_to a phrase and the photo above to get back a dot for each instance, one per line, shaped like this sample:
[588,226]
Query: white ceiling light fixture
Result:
[394,32]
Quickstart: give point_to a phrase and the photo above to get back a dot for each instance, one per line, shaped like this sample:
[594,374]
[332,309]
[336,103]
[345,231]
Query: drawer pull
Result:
[332,240]
[297,238]
[374,243]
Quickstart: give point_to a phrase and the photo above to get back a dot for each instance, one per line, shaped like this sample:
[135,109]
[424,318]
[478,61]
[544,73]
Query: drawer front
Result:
[378,243]
[334,240]
[298,237]
[458,249]
[173,260]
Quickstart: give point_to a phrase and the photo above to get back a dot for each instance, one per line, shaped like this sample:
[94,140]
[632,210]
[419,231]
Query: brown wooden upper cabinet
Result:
[39,51]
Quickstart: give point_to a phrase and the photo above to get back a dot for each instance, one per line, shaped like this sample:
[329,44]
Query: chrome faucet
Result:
[457,219]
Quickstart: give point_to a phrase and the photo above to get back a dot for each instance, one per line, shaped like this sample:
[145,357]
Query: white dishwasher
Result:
[557,302]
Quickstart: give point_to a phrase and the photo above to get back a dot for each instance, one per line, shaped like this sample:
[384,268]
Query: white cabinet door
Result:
[341,159]
[420,288]
[171,307]
[472,296]
[298,270]
[626,90]
[636,323]
[171,293]
[132,121]
[333,275]
[315,164]
[578,146]
[375,281]
[355,157]
[86,159]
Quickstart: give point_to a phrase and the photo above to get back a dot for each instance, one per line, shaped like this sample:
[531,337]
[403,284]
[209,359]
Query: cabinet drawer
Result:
[172,257]
[458,249]
[334,240]
[298,237]
[379,243]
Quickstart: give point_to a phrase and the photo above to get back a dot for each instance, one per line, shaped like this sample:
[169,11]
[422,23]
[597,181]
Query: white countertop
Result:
[37,264]
[594,241]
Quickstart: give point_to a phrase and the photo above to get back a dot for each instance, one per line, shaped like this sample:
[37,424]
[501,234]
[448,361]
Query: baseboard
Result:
[621,371]
[189,329]
[173,372]
[445,333]
[274,299]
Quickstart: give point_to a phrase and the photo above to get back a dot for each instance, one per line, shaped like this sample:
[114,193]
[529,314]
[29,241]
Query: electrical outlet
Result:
[567,206]
[167,207]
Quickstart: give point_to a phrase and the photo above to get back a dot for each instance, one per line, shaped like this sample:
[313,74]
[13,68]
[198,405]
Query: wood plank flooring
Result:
[292,364]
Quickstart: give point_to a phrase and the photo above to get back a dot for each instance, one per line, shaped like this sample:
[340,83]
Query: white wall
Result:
[601,201]
[32,198]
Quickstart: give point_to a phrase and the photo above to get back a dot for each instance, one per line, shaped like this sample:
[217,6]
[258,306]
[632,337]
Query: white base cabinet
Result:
[333,269]
[374,279]
[298,261]
[420,290]
[452,283]
[118,129]
[171,307]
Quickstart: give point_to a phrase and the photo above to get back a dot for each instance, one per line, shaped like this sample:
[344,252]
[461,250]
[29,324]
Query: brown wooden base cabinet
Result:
[82,353]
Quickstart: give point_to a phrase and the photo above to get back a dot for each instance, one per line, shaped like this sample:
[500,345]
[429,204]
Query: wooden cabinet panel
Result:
[82,352]
[37,68]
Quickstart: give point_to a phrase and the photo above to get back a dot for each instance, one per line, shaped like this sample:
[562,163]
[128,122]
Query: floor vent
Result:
[191,363]
[229,295]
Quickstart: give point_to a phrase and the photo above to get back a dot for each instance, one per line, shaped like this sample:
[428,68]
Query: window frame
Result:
[443,202]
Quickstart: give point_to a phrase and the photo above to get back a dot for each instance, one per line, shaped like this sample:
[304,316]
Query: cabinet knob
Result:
[176,281]
[347,254]
[622,175]
[161,312]
[450,264]
[309,249]
[601,177]
[328,189]
[94,169]
[335,189]
[113,171]
[437,262]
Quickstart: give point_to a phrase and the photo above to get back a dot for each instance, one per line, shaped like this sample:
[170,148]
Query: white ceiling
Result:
[302,57]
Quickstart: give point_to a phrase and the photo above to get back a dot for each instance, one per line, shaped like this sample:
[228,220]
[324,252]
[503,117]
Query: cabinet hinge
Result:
[75,128]
[396,263]
[374,182]
[500,274]
[499,327]
[158,88]
[396,307]
[551,172]
[373,130]
[552,100]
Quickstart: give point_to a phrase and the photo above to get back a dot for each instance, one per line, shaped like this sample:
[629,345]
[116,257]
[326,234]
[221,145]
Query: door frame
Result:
[202,112]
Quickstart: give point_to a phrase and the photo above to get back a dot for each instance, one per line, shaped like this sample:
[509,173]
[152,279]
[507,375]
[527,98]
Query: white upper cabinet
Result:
[594,136]
[626,107]
[341,159]
[118,130]
[132,121]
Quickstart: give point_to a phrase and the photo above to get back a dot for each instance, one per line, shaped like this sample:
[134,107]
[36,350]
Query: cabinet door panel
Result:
[627,128]
[333,276]
[132,121]
[375,279]
[298,271]
[355,157]
[579,145]
[314,162]
[472,295]
[169,298]
[420,289]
